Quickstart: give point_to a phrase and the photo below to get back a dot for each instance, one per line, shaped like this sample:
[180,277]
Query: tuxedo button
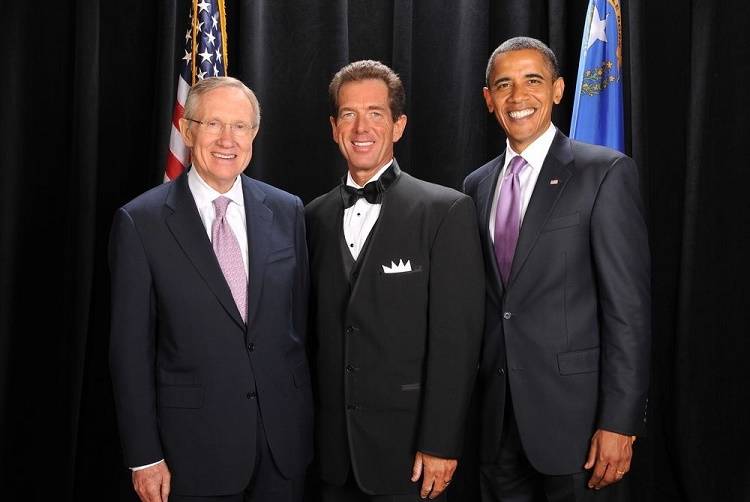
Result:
[500,371]
[507,315]
[349,368]
[251,347]
[349,330]
[252,395]
[351,407]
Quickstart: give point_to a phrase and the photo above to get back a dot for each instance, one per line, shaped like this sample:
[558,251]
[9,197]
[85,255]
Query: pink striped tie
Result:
[228,253]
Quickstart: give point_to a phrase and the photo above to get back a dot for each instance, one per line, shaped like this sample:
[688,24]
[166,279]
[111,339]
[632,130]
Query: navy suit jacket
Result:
[570,332]
[190,378]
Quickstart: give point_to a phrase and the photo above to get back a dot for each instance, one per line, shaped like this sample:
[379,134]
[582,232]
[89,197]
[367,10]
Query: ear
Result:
[488,99]
[557,88]
[398,128]
[186,132]
[334,129]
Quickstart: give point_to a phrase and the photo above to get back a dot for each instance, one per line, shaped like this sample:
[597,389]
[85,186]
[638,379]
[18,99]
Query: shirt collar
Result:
[204,195]
[536,152]
[350,181]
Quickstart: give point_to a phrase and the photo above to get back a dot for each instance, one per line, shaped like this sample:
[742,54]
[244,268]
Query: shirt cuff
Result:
[145,466]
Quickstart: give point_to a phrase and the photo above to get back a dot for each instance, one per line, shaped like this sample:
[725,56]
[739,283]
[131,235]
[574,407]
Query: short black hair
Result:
[522,43]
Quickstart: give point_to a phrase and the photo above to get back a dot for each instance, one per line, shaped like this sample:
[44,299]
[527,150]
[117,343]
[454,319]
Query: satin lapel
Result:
[259,218]
[485,194]
[543,200]
[187,228]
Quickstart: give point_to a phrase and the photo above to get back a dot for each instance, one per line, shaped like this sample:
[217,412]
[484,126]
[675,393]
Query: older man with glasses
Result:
[209,299]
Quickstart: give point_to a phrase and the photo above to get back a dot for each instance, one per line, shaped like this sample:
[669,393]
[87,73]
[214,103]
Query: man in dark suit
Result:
[397,304]
[209,310]
[564,369]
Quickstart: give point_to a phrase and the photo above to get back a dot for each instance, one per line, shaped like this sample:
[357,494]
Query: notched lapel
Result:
[550,184]
[259,218]
[485,194]
[187,228]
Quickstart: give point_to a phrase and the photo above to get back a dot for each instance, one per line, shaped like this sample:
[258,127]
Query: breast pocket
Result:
[570,220]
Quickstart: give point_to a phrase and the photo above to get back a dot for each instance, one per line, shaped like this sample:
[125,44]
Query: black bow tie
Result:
[373,191]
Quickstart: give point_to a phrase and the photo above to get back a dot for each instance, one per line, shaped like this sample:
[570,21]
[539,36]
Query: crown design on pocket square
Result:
[397,269]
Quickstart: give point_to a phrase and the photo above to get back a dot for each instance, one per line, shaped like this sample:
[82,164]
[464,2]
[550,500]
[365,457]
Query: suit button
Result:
[251,347]
[507,315]
[252,395]
[351,407]
[500,371]
[355,274]
[349,330]
[349,368]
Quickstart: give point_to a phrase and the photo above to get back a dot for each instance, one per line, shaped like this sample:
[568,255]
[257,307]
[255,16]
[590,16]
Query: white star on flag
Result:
[206,56]
[201,75]
[218,55]
[188,56]
[596,31]
[215,19]
[204,6]
[211,39]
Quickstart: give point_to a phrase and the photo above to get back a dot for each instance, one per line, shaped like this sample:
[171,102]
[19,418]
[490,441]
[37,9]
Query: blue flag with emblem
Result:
[597,109]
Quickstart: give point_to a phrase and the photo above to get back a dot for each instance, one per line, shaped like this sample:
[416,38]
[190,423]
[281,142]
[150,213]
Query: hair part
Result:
[369,70]
[524,43]
[212,83]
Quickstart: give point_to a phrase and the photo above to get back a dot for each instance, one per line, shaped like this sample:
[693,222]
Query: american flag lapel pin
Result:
[554,182]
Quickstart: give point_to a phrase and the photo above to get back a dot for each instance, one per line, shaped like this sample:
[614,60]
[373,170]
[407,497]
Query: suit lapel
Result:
[485,194]
[185,224]
[259,218]
[543,199]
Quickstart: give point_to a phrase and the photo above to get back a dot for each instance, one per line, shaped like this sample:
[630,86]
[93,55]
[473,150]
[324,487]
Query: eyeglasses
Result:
[216,127]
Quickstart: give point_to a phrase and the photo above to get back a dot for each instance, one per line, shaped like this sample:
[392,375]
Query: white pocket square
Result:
[397,269]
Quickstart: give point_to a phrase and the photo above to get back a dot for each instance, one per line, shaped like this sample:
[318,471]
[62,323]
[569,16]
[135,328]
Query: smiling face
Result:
[220,158]
[521,94]
[364,128]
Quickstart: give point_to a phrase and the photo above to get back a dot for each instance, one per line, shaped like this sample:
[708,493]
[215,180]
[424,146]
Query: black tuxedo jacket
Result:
[189,377]
[396,353]
[570,332]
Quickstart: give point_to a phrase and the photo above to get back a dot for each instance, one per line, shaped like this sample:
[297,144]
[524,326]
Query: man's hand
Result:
[436,473]
[610,456]
[152,483]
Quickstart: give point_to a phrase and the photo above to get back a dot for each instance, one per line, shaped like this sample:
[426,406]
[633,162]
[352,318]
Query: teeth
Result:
[521,113]
[224,155]
[363,143]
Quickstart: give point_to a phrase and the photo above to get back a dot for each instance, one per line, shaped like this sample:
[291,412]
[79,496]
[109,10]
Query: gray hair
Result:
[522,43]
[209,84]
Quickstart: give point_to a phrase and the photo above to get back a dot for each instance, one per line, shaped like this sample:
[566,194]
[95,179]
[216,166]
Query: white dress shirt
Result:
[534,155]
[361,217]
[204,196]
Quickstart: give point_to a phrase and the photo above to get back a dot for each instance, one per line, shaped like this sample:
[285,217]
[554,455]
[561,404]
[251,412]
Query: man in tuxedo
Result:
[209,313]
[565,361]
[396,300]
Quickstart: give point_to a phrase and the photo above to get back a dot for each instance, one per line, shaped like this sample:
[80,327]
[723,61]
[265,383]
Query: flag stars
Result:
[201,75]
[218,55]
[210,38]
[215,20]
[216,71]
[206,56]
[188,35]
[203,5]
[596,30]
[188,56]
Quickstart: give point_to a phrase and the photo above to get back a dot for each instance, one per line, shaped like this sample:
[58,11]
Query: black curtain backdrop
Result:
[86,103]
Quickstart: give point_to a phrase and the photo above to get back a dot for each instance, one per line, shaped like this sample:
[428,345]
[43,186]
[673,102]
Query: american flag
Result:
[205,56]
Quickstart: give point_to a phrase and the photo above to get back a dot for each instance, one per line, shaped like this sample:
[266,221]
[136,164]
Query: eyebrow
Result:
[507,79]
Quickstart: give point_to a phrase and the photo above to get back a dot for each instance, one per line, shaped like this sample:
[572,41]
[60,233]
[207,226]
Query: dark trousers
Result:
[267,483]
[511,478]
[350,492]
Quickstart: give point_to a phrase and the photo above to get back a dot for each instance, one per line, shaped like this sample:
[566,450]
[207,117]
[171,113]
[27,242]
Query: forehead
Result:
[225,101]
[522,62]
[363,92]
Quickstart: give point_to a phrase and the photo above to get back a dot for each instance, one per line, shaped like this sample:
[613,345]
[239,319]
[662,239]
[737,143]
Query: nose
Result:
[225,138]
[361,123]
[517,93]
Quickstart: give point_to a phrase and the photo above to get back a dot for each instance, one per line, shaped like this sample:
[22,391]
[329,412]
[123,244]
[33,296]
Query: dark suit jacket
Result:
[396,354]
[571,330]
[188,375]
